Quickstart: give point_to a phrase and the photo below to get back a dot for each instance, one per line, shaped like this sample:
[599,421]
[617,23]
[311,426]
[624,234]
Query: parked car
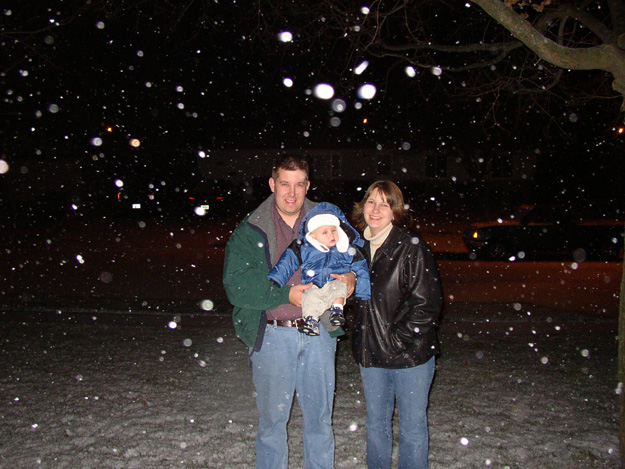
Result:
[546,231]
[215,199]
[207,200]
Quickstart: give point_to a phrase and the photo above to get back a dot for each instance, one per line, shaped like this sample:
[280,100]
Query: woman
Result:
[394,337]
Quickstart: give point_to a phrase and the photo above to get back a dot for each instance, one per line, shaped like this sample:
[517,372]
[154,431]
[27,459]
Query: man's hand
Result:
[295,294]
[348,279]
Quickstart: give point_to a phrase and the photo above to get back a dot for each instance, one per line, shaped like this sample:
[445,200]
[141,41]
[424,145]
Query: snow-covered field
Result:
[96,389]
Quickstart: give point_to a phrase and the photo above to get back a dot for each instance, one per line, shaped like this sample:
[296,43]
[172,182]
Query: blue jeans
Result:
[291,363]
[410,387]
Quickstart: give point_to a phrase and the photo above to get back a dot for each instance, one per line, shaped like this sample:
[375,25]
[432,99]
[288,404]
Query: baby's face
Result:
[328,235]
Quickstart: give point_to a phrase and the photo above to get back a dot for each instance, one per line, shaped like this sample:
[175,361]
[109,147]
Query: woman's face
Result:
[377,212]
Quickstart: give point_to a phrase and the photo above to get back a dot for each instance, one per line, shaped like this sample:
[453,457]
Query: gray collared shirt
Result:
[285,236]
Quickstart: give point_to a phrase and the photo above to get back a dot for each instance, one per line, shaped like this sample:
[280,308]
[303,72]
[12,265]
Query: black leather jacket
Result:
[397,327]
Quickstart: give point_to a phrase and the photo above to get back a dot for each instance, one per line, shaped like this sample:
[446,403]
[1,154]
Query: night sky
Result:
[180,85]
[213,78]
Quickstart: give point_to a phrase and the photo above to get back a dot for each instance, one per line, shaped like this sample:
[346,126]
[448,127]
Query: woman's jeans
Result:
[289,363]
[410,387]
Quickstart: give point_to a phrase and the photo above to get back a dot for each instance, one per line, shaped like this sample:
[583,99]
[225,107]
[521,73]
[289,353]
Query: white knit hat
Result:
[325,219]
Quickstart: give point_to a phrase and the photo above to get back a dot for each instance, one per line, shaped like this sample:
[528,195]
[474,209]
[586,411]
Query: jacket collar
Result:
[260,220]
[387,246]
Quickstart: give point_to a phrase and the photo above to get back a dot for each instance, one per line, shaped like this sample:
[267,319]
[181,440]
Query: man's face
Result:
[328,235]
[290,189]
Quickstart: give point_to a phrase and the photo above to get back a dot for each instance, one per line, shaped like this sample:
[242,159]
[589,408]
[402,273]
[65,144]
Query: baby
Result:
[324,247]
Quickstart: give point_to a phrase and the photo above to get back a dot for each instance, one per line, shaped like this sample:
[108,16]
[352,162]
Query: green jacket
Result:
[248,260]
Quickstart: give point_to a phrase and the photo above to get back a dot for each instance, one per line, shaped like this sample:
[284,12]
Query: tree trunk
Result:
[621,365]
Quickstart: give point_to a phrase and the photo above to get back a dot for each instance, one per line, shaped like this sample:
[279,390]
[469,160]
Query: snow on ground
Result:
[96,389]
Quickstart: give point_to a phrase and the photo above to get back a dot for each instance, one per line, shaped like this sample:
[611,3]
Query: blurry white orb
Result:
[323,91]
[96,141]
[335,121]
[105,277]
[410,71]
[200,211]
[437,71]
[119,183]
[464,441]
[4,167]
[365,10]
[172,324]
[580,255]
[134,142]
[338,105]
[207,305]
[361,67]
[367,91]
[100,24]
[53,108]
[287,82]
[285,36]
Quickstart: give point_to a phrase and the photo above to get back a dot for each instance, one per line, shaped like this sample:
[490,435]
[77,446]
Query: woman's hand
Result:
[348,279]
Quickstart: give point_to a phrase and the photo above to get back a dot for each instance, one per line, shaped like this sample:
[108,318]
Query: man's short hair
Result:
[289,163]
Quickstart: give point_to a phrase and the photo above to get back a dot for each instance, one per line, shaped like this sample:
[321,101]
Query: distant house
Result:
[57,184]
[432,176]
[366,165]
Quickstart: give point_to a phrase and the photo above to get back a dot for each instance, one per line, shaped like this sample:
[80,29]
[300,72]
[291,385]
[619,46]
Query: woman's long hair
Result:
[392,195]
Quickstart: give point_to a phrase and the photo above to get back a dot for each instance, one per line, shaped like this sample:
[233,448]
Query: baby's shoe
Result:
[337,318]
[310,326]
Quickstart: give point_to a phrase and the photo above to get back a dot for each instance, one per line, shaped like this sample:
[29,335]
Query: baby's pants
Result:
[316,300]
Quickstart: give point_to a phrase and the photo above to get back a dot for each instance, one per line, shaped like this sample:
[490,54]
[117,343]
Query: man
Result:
[266,317]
